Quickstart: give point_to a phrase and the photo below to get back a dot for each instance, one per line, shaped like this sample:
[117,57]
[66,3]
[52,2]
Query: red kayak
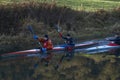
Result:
[36,52]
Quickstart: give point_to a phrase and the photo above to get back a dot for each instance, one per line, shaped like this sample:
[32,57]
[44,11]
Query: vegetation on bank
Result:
[14,19]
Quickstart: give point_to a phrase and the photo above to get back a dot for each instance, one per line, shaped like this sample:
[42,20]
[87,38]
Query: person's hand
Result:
[44,50]
[35,37]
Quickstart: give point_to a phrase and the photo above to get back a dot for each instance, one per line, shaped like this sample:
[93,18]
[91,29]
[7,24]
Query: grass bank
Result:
[87,5]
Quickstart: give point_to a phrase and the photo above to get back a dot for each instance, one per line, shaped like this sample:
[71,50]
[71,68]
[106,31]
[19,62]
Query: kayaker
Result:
[69,48]
[115,42]
[116,39]
[46,45]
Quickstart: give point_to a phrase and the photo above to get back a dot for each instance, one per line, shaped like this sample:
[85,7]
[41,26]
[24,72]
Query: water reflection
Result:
[115,52]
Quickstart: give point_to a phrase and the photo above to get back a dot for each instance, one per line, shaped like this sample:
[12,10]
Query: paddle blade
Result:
[31,29]
[57,27]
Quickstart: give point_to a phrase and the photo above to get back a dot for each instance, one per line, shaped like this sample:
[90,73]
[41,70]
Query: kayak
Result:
[38,53]
[102,48]
[88,47]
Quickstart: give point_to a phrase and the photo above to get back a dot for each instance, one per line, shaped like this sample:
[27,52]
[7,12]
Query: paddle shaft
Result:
[32,31]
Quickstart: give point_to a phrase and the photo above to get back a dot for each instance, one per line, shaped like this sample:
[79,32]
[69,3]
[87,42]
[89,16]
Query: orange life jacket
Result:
[46,43]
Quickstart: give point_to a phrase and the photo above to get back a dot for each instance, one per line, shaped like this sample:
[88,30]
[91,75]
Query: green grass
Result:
[88,5]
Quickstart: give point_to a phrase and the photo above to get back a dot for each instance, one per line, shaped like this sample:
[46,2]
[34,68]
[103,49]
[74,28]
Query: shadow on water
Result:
[115,52]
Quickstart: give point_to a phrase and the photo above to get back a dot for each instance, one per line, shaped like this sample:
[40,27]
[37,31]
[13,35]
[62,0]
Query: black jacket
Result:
[116,40]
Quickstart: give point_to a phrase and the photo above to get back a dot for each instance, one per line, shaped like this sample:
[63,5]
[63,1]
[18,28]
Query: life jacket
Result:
[46,43]
[68,41]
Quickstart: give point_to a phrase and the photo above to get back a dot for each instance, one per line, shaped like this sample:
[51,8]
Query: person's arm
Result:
[41,39]
[111,38]
[114,39]
[60,34]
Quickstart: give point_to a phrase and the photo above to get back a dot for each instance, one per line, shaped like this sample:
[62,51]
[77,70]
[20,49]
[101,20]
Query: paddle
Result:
[33,33]
[57,27]
[31,29]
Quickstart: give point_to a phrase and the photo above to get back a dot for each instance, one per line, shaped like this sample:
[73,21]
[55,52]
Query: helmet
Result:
[46,36]
[68,34]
